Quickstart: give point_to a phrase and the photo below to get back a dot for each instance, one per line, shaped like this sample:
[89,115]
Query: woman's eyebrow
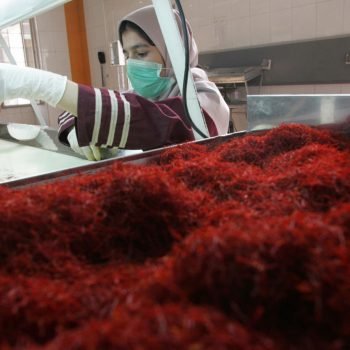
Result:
[137,46]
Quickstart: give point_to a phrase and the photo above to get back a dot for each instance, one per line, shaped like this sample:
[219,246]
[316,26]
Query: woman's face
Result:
[136,47]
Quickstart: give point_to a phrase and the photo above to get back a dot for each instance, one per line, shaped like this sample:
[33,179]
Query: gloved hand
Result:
[89,152]
[30,83]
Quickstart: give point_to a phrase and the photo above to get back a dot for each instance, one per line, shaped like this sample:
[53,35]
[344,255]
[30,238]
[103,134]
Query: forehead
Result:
[133,40]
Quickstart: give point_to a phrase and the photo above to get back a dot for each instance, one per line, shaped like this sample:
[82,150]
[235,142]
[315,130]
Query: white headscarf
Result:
[209,95]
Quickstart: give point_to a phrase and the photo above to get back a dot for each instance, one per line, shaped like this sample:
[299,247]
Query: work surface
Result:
[21,161]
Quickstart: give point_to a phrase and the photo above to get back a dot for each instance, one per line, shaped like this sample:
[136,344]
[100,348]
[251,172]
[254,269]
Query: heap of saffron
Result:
[240,245]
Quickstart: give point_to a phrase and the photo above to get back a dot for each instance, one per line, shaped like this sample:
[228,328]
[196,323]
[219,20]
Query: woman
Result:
[149,116]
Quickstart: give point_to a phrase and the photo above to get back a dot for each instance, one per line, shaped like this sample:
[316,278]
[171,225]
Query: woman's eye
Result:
[142,54]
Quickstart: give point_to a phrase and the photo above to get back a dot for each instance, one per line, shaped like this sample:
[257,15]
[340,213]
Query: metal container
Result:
[268,111]
[264,112]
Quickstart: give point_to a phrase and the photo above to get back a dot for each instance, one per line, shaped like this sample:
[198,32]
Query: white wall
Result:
[223,24]
[227,24]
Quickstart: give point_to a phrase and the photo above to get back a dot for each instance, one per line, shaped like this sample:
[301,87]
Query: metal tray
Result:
[264,112]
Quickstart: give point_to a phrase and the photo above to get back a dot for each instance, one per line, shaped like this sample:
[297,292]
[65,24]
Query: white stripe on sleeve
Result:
[64,117]
[114,118]
[126,127]
[98,113]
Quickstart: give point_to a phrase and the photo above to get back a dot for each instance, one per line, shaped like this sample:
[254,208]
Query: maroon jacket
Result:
[108,118]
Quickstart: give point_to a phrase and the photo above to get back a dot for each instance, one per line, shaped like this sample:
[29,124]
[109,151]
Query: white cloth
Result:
[30,83]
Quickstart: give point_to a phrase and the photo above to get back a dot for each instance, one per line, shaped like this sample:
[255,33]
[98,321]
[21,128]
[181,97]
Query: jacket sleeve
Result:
[108,118]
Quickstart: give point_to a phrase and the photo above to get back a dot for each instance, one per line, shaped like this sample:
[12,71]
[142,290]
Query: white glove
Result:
[89,152]
[30,83]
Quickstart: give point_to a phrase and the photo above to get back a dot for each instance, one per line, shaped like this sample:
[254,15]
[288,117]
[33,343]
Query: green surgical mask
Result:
[146,80]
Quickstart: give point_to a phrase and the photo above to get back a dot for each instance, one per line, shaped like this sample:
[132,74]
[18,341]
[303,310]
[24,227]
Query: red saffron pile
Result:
[243,245]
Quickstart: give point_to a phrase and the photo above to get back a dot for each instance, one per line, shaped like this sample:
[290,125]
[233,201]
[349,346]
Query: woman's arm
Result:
[37,84]
[31,83]
[55,89]
[107,118]
[69,100]
[100,117]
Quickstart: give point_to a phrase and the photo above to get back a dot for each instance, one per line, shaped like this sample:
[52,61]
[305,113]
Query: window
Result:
[21,40]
